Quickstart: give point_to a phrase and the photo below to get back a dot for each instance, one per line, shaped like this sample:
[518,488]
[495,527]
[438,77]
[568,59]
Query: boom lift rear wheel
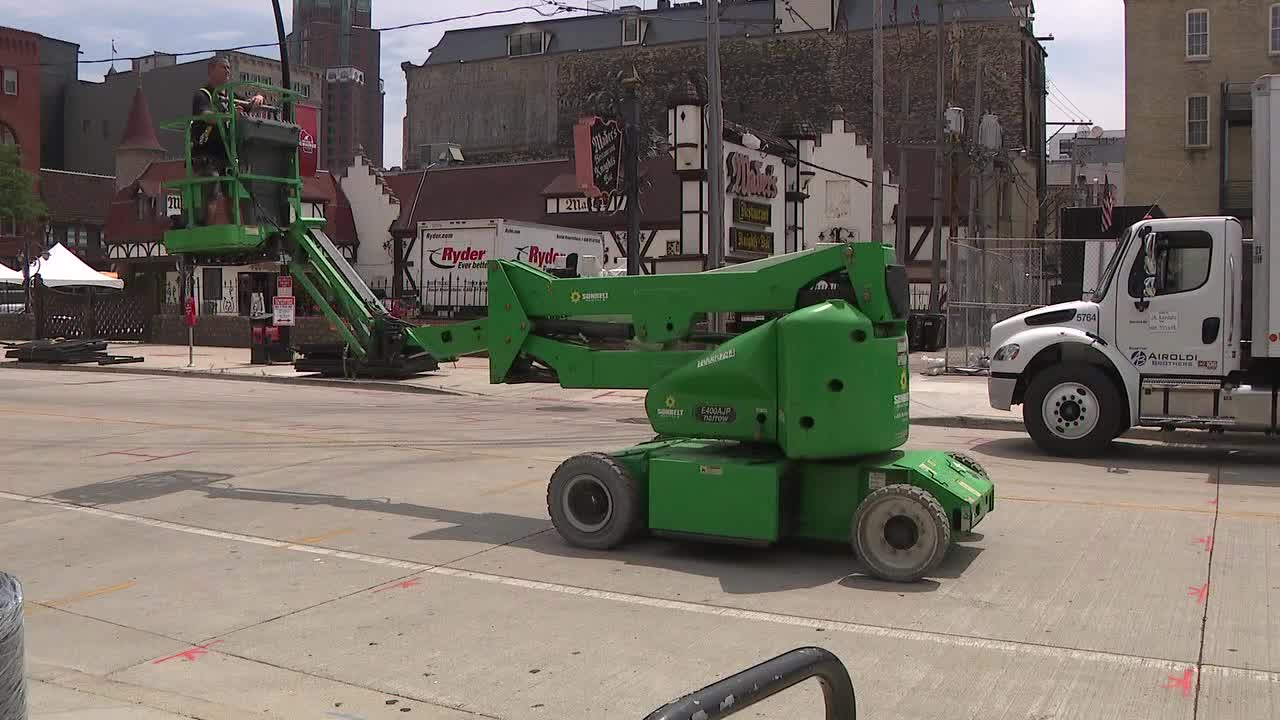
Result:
[901,532]
[594,502]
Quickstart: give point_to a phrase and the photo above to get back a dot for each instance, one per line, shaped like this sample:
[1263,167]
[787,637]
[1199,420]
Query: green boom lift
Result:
[792,429]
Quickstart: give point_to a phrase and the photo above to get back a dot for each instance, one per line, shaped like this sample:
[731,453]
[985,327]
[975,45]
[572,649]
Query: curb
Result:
[384,386]
[969,423]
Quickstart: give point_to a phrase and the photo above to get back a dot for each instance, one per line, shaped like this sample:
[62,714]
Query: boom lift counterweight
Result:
[792,429]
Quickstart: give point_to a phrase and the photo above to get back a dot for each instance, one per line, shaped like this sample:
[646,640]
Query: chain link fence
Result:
[993,279]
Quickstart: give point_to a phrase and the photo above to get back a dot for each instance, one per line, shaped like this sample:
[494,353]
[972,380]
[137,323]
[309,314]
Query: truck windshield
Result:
[1109,275]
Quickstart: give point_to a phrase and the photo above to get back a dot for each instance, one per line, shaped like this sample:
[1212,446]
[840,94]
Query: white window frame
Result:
[542,46]
[632,21]
[1186,34]
[10,76]
[1273,29]
[1208,122]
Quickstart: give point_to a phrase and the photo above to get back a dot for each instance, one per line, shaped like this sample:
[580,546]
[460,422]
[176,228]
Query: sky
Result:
[1086,57]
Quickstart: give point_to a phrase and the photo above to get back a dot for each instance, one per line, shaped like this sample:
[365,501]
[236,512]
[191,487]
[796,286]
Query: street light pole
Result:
[877,135]
[938,149]
[631,145]
[715,154]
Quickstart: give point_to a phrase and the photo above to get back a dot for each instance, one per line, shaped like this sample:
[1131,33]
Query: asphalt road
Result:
[214,549]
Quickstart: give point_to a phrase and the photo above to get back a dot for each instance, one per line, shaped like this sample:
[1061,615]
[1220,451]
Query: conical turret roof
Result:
[139,133]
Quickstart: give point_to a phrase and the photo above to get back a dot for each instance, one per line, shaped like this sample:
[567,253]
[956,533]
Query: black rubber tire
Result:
[970,462]
[625,497]
[924,512]
[1095,382]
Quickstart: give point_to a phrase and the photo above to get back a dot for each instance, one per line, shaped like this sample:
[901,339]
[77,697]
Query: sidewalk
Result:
[935,400]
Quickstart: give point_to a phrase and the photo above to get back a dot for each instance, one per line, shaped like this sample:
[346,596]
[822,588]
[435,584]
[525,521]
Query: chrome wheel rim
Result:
[1070,411]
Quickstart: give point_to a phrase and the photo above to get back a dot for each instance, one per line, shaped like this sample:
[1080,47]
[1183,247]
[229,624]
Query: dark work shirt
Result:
[205,138]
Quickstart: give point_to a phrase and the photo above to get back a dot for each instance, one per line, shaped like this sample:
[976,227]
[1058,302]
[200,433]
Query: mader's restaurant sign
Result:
[752,213]
[747,179]
[598,151]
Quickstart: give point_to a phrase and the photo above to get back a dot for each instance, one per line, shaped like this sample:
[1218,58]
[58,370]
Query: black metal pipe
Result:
[741,691]
[287,103]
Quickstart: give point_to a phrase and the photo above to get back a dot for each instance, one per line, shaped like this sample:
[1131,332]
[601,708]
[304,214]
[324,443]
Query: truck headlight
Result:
[1006,352]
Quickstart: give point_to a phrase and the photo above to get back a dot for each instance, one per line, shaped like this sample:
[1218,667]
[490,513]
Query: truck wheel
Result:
[1073,410]
[594,502]
[901,532]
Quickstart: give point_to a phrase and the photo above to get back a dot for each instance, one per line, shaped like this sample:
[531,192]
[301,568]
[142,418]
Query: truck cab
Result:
[1181,333]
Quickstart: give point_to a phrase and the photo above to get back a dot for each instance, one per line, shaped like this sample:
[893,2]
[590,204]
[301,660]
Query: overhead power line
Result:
[540,9]
[741,22]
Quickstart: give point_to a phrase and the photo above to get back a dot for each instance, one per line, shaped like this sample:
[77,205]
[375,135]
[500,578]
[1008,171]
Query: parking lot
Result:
[217,549]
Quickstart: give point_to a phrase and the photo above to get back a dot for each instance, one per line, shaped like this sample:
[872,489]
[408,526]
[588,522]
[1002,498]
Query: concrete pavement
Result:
[213,549]
[949,401]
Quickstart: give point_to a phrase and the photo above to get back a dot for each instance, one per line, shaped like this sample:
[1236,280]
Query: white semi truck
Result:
[1183,330]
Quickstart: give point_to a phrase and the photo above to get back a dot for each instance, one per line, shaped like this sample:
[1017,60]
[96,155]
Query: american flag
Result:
[1108,204]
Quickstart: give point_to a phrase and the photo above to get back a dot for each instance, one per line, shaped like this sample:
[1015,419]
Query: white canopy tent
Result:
[64,269]
[9,277]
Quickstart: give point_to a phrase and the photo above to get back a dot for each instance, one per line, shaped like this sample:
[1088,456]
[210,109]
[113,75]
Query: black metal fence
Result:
[82,313]
[455,297]
[991,279]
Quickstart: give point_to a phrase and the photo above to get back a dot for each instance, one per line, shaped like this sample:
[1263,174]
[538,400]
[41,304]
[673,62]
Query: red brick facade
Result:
[20,93]
[19,116]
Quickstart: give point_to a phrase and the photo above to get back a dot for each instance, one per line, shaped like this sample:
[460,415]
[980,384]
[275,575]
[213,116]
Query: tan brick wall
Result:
[1158,80]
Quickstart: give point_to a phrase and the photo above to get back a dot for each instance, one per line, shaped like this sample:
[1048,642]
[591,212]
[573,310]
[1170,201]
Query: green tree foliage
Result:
[19,201]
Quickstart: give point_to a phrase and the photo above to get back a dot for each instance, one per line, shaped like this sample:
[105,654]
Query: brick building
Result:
[19,118]
[20,94]
[514,91]
[1188,69]
[333,36]
[78,205]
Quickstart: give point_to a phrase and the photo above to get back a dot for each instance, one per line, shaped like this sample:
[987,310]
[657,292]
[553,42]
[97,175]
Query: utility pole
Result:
[1075,165]
[938,148]
[715,154]
[976,169]
[904,225]
[976,166]
[877,135]
[631,144]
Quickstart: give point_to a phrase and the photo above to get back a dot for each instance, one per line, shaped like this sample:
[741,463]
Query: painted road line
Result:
[1148,508]
[1007,647]
[85,595]
[317,539]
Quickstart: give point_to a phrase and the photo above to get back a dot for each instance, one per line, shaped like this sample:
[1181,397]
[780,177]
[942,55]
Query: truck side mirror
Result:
[1142,280]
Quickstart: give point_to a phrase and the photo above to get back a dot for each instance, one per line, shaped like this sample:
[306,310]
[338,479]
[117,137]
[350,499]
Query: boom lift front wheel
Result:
[901,532]
[594,502]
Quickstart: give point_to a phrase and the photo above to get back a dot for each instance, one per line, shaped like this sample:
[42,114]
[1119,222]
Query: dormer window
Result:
[631,30]
[521,44]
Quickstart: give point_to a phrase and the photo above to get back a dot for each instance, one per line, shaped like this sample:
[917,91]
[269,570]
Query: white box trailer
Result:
[452,254]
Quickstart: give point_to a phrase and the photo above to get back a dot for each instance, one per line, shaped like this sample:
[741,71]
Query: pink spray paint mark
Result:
[189,655]
[1183,682]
